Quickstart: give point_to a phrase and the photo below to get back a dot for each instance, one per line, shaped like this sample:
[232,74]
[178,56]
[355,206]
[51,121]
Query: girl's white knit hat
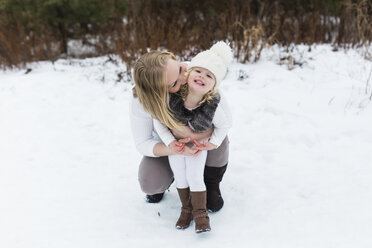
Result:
[216,60]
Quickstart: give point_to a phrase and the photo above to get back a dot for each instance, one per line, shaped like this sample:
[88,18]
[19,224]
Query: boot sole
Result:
[182,227]
[202,231]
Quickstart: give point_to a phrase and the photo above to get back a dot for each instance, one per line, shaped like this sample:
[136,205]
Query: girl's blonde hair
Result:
[151,86]
[184,91]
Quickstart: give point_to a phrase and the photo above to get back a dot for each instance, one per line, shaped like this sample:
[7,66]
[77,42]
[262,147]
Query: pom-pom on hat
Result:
[216,60]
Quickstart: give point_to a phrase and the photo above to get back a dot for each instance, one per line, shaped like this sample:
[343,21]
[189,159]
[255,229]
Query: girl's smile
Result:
[199,82]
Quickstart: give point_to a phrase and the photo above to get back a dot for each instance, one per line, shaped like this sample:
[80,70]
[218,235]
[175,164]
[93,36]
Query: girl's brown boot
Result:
[186,211]
[199,212]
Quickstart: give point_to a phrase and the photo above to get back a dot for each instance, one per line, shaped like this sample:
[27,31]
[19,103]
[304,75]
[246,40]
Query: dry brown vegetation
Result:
[18,47]
[185,27]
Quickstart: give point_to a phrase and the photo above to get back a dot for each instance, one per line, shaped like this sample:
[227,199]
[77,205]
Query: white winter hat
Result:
[216,60]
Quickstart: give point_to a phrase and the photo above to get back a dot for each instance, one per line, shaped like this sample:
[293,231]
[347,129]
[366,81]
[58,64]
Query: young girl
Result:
[197,106]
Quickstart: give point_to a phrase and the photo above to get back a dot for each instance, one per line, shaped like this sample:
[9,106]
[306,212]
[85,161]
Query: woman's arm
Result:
[142,130]
[160,150]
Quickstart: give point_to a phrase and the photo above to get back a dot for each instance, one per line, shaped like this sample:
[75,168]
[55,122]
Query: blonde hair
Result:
[184,91]
[151,86]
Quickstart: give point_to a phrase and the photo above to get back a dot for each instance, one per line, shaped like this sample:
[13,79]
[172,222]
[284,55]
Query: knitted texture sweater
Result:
[198,119]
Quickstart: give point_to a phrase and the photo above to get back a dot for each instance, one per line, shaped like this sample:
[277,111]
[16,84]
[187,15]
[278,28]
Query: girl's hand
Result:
[204,146]
[186,151]
[190,152]
[177,147]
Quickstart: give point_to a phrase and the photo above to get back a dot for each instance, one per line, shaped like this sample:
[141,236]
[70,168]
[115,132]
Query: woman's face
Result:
[175,74]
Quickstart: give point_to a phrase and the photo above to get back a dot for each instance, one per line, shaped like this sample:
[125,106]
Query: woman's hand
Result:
[204,146]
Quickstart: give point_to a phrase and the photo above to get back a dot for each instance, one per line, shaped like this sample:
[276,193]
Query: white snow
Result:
[299,173]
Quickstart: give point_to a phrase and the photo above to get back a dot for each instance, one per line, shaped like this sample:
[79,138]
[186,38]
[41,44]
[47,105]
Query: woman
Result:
[156,74]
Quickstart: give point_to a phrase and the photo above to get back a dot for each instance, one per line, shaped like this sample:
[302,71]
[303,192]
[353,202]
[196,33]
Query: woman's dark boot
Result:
[186,211]
[199,211]
[212,178]
[154,198]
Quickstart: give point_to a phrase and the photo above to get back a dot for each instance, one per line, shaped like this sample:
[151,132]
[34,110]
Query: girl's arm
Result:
[164,133]
[171,146]
[186,132]
[167,138]
[222,122]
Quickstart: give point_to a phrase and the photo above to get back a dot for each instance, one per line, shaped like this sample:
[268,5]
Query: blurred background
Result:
[33,30]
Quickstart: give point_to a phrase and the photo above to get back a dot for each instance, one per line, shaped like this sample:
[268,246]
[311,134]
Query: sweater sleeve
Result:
[142,129]
[163,131]
[222,122]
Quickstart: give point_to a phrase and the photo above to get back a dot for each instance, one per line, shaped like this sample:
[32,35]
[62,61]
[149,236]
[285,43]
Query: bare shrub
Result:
[186,27]
[18,46]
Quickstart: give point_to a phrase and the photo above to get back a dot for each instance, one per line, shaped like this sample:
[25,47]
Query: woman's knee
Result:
[151,187]
[154,175]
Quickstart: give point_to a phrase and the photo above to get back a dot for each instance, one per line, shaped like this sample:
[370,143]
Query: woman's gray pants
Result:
[155,175]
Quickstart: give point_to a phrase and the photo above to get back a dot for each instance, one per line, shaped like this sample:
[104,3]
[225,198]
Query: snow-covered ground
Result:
[299,173]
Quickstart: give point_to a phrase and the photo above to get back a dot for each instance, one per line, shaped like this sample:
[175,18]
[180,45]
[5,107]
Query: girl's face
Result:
[175,74]
[201,80]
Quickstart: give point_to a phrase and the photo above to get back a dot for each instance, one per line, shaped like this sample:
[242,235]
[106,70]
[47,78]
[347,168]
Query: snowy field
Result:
[299,175]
